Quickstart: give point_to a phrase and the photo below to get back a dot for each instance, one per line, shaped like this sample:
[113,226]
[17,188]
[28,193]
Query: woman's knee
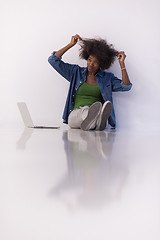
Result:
[77,116]
[73,120]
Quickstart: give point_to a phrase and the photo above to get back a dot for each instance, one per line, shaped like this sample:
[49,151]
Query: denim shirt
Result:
[76,75]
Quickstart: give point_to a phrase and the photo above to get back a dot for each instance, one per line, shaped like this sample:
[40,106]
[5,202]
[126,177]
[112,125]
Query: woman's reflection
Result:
[94,178]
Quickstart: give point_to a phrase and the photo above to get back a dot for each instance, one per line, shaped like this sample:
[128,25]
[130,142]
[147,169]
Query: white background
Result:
[122,181]
[32,29]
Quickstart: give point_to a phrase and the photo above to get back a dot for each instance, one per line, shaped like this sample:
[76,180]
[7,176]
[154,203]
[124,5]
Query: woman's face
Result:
[92,64]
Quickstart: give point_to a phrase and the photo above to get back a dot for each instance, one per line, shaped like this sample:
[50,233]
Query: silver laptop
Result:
[27,117]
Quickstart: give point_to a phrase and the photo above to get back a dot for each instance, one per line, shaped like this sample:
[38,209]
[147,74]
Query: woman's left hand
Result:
[121,56]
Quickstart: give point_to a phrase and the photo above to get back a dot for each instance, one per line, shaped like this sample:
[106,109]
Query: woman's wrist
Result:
[122,65]
[123,69]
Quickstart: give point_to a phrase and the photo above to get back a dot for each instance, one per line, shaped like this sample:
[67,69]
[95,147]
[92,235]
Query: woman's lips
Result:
[91,68]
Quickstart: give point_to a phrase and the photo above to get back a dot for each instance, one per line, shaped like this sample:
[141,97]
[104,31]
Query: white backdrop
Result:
[32,29]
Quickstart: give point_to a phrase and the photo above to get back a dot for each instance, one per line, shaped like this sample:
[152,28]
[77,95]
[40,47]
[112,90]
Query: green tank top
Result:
[86,95]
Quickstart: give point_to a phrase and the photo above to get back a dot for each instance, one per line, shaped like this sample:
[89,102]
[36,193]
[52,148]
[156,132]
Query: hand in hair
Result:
[75,39]
[121,56]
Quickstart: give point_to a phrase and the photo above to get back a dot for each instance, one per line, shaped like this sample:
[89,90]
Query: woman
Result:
[89,102]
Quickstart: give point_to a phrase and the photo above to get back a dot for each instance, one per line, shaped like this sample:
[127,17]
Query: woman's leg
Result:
[104,115]
[77,116]
[85,117]
[91,119]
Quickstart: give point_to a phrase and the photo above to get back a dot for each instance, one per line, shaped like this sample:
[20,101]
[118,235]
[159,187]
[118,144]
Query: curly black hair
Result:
[100,49]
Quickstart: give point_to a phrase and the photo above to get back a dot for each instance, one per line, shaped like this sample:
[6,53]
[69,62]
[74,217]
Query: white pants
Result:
[77,116]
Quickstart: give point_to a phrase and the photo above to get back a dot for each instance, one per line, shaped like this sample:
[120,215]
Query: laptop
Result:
[27,117]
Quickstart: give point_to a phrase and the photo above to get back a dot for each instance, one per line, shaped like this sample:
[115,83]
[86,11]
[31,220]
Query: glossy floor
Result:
[74,185]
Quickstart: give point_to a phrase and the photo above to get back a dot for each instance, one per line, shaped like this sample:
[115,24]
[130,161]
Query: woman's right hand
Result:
[75,39]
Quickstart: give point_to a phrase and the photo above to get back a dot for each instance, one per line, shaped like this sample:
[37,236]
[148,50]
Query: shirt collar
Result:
[100,72]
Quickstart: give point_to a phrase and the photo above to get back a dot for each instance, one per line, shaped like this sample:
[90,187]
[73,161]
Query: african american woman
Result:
[89,103]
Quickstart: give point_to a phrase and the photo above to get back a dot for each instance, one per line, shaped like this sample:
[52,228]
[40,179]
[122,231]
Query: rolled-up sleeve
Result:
[65,69]
[118,85]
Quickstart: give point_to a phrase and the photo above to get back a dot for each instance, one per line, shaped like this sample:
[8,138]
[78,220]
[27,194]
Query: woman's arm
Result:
[73,42]
[125,77]
[65,69]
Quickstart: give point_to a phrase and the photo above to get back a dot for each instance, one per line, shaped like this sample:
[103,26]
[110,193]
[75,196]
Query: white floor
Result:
[72,185]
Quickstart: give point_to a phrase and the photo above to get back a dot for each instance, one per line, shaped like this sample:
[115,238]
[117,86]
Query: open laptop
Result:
[27,117]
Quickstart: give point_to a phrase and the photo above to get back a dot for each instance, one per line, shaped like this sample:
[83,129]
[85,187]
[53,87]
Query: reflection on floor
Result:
[74,184]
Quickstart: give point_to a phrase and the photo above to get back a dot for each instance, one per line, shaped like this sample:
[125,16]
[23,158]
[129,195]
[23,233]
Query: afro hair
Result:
[100,49]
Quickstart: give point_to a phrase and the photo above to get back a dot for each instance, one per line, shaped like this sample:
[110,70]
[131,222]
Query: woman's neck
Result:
[91,79]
